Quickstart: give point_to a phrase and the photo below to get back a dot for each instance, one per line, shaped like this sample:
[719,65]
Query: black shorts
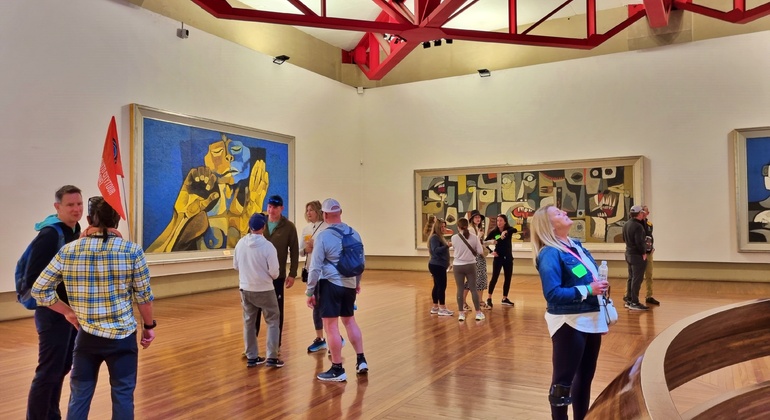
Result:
[336,301]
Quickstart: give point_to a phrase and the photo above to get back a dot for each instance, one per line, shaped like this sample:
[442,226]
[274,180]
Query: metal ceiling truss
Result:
[397,30]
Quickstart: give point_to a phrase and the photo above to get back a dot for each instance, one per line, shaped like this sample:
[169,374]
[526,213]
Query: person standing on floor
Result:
[282,233]
[636,257]
[314,217]
[476,226]
[438,265]
[338,293]
[503,257]
[56,336]
[105,276]
[256,261]
[467,247]
[650,242]
[571,284]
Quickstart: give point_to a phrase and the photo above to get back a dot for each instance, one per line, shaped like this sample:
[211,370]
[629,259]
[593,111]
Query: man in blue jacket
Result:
[634,234]
[56,336]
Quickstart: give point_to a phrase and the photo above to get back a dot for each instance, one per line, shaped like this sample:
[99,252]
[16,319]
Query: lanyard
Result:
[593,274]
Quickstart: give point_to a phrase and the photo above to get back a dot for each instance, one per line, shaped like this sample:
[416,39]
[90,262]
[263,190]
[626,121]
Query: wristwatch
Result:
[149,327]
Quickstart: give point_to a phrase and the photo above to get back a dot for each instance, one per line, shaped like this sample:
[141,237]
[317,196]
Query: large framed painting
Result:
[196,182]
[597,195]
[752,187]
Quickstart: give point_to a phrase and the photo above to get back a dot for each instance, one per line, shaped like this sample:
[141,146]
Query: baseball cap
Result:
[257,221]
[331,205]
[636,209]
[275,200]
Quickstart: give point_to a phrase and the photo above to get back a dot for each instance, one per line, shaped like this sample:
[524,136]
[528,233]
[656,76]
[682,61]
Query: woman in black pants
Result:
[503,253]
[438,264]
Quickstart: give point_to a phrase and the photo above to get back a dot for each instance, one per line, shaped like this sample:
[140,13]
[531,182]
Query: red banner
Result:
[110,168]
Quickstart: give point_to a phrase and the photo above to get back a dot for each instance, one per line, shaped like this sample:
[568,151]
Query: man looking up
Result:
[56,336]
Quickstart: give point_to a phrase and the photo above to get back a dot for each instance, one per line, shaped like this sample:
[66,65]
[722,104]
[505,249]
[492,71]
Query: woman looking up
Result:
[570,285]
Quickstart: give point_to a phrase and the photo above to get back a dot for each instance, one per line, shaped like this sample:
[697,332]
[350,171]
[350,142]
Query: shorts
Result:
[336,301]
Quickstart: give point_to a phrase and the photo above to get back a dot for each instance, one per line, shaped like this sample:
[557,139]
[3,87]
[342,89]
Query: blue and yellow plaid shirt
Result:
[103,279]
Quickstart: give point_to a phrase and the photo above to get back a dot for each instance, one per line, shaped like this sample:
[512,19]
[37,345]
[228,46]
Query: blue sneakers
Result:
[318,344]
[253,362]
[333,375]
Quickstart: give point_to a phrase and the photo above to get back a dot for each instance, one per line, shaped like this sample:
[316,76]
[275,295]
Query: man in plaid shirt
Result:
[104,275]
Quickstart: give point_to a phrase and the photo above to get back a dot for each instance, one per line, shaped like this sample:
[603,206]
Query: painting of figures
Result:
[752,166]
[201,180]
[595,194]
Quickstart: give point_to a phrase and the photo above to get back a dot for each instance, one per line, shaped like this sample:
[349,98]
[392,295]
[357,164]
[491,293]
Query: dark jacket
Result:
[559,280]
[633,235]
[285,240]
[648,232]
[503,247]
[44,247]
[439,253]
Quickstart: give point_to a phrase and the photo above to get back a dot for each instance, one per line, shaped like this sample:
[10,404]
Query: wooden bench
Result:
[688,349]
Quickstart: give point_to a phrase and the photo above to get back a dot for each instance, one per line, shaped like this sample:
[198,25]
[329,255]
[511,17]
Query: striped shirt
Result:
[103,280]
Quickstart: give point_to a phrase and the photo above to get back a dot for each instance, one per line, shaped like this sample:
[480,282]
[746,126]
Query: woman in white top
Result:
[313,215]
[571,285]
[466,246]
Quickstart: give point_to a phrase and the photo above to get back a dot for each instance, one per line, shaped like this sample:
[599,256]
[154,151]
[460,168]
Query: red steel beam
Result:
[302,8]
[394,12]
[513,24]
[738,14]
[544,18]
[658,12]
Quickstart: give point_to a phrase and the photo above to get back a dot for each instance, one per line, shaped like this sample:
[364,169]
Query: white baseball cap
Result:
[331,205]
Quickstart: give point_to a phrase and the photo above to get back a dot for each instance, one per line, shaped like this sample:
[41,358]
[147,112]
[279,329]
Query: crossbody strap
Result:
[469,245]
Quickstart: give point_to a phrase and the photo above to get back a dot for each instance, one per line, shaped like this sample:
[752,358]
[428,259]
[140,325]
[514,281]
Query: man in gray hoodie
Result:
[256,261]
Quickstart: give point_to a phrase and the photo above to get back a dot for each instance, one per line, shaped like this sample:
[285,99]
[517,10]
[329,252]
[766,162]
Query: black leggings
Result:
[438,294]
[506,263]
[574,364]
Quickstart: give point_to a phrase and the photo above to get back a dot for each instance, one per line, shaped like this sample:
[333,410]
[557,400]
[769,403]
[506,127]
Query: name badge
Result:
[579,270]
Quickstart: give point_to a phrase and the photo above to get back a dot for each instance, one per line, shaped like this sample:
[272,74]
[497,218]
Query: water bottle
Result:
[603,271]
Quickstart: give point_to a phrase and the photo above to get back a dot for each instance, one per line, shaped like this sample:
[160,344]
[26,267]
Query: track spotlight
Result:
[448,41]
[182,32]
[426,44]
[484,73]
[280,59]
[437,43]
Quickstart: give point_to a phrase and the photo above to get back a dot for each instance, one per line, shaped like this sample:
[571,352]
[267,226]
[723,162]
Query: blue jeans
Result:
[121,357]
[56,338]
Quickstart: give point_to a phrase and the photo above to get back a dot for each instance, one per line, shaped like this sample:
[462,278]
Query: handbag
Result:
[304,275]
[610,313]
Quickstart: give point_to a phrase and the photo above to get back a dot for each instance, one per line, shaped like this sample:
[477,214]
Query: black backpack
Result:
[23,288]
[351,263]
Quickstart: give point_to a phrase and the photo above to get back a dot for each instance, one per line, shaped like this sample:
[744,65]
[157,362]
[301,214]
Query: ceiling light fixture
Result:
[448,41]
[437,43]
[426,44]
[484,73]
[280,59]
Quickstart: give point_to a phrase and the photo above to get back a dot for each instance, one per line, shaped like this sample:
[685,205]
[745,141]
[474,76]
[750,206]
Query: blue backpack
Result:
[351,263]
[23,288]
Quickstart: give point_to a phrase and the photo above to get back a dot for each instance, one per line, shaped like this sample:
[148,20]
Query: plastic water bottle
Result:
[603,271]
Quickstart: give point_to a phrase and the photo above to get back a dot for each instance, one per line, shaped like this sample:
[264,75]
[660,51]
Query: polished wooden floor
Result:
[422,366]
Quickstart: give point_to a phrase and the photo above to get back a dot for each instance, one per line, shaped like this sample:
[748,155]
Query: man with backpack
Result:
[336,267]
[56,336]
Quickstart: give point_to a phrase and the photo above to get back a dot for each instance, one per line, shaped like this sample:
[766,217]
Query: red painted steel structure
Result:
[397,30]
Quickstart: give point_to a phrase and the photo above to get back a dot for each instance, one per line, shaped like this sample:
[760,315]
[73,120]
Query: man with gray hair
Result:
[634,235]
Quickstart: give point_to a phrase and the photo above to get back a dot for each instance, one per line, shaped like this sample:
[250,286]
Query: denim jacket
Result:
[559,281]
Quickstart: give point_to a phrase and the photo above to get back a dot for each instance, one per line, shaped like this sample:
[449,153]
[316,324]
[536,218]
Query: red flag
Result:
[110,169]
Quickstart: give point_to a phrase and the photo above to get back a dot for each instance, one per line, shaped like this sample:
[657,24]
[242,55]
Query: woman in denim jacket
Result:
[570,285]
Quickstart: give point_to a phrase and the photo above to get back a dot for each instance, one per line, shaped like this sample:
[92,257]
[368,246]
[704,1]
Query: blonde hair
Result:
[316,206]
[542,233]
[438,230]
[462,225]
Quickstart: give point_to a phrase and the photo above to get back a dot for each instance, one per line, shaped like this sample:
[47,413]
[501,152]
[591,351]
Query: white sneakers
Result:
[445,312]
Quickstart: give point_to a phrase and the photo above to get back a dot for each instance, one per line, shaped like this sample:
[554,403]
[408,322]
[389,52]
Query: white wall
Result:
[66,67]
[675,105]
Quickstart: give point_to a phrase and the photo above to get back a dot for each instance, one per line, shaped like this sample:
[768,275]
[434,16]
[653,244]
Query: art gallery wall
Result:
[68,67]
[674,105]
